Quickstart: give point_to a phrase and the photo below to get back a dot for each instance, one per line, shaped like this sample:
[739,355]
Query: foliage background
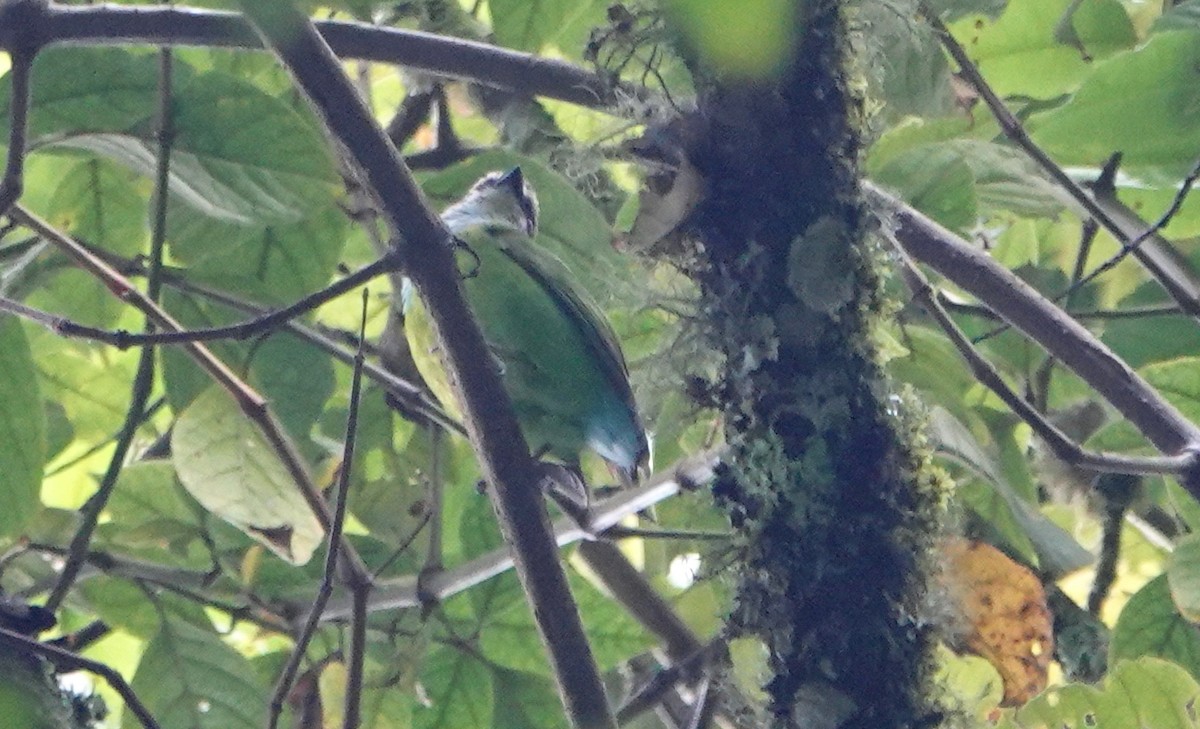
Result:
[193,607]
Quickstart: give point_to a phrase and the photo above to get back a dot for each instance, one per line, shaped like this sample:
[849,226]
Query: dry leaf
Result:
[1003,615]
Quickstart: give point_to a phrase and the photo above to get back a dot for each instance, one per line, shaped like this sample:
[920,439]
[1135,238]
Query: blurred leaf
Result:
[1009,49]
[1150,625]
[526,25]
[458,689]
[1054,551]
[973,682]
[189,679]
[912,72]
[751,39]
[149,515]
[1183,15]
[237,154]
[22,429]
[100,203]
[227,465]
[1183,576]
[1146,693]
[525,701]
[936,181]
[1137,102]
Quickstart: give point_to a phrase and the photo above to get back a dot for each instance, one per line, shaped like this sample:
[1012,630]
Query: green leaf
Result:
[271,264]
[1142,341]
[1147,693]
[936,181]
[1036,539]
[124,604]
[100,203]
[296,377]
[1137,103]
[150,515]
[238,154]
[189,679]
[510,638]
[525,701]
[1150,625]
[1183,576]
[526,25]
[1182,16]
[912,73]
[226,464]
[459,691]
[22,429]
[1023,39]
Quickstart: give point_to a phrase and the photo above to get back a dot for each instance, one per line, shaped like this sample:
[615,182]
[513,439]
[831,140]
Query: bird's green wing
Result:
[555,278]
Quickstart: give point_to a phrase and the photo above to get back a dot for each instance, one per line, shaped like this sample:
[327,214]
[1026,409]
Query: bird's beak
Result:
[514,179]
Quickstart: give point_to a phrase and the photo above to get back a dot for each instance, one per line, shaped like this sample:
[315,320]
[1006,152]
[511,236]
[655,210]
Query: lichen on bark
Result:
[825,481]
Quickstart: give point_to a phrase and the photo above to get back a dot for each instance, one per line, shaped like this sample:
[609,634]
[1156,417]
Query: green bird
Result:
[559,358]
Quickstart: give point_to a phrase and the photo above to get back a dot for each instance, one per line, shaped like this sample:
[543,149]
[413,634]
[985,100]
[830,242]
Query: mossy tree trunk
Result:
[823,481]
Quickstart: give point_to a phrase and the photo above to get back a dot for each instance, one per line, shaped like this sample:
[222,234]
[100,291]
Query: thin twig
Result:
[250,401]
[18,120]
[400,592]
[1180,288]
[242,330]
[288,676]
[143,380]
[406,392]
[65,660]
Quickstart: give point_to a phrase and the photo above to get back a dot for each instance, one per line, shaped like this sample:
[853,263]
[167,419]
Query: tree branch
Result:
[491,422]
[1026,309]
[164,25]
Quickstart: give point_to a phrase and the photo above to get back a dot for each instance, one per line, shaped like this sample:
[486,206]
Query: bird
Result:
[558,357]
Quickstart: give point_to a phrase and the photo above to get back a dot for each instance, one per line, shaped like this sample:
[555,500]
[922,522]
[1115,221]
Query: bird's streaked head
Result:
[500,199]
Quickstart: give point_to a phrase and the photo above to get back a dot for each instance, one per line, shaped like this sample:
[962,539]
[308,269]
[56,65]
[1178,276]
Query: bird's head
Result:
[498,199]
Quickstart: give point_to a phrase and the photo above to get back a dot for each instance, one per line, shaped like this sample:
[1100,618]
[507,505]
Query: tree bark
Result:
[834,502]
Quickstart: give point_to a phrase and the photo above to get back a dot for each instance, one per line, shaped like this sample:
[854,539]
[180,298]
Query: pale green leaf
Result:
[1147,693]
[1150,625]
[226,464]
[1018,53]
[189,679]
[22,429]
[1138,103]
[459,691]
[100,203]
[1183,576]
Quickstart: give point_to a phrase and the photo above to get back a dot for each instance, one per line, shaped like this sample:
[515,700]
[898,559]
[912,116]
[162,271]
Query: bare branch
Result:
[1023,307]
[18,120]
[165,25]
[986,374]
[490,419]
[65,660]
